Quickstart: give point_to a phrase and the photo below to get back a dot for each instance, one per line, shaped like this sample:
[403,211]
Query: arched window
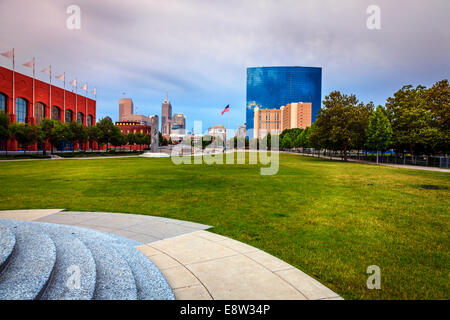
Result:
[80,118]
[3,102]
[39,112]
[56,113]
[69,115]
[90,119]
[21,110]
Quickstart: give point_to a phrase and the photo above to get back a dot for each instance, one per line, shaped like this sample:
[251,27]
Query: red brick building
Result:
[134,127]
[83,111]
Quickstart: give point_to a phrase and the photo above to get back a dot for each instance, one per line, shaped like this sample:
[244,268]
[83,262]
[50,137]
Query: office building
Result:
[166,117]
[180,120]
[274,87]
[275,121]
[126,108]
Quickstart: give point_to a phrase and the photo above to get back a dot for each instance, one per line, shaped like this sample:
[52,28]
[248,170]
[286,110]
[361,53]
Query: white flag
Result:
[73,82]
[47,70]
[8,54]
[29,64]
[94,92]
[61,77]
[84,87]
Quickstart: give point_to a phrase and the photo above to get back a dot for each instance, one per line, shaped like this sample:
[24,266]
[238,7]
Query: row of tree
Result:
[57,133]
[415,120]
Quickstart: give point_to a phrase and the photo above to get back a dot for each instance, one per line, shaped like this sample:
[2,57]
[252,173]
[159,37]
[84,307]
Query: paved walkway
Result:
[196,263]
[403,166]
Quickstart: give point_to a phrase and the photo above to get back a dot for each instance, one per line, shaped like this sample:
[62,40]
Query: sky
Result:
[198,51]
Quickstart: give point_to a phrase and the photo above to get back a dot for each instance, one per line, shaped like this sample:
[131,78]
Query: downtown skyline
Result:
[148,48]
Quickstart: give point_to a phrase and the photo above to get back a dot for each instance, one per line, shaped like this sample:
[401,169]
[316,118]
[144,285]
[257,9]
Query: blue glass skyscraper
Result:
[274,87]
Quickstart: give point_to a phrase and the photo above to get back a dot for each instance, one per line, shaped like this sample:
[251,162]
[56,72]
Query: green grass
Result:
[330,219]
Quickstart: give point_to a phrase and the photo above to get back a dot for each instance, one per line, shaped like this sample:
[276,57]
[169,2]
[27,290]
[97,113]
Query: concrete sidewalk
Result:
[402,166]
[196,263]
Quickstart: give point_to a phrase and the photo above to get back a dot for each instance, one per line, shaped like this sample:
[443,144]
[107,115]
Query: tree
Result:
[5,132]
[25,134]
[140,139]
[131,139]
[148,140]
[118,138]
[413,121]
[77,133]
[93,134]
[162,140]
[379,131]
[287,142]
[58,134]
[341,123]
[45,130]
[106,128]
[438,100]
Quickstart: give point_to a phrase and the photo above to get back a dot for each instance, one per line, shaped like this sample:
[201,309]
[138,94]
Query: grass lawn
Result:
[330,219]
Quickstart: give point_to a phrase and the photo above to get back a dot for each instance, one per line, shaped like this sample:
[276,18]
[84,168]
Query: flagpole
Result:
[50,96]
[34,76]
[14,85]
[85,112]
[76,98]
[64,113]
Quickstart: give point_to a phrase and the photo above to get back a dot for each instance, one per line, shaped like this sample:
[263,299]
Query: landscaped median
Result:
[330,219]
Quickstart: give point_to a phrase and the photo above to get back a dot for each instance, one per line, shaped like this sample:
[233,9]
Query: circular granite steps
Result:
[53,262]
[7,243]
[30,267]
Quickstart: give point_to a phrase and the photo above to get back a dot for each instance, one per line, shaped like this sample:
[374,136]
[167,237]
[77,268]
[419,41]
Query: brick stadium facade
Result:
[84,111]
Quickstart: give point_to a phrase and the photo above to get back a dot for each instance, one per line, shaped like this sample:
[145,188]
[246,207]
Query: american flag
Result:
[227,108]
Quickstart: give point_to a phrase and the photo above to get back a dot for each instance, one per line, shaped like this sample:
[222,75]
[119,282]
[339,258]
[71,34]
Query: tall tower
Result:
[166,116]
[125,108]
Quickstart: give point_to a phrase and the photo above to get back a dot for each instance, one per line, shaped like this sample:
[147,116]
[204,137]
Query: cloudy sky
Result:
[199,50]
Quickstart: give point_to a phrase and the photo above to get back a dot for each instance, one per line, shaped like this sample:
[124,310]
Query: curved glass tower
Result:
[274,87]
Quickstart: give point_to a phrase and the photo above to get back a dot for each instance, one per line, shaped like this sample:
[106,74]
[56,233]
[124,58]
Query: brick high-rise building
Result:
[125,108]
[275,121]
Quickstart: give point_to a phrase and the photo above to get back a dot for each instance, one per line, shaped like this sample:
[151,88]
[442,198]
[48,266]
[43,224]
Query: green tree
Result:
[438,100]
[25,134]
[162,140]
[287,142]
[45,131]
[140,139]
[58,134]
[148,140]
[379,131]
[117,138]
[413,121]
[106,128]
[93,134]
[131,139]
[5,132]
[341,123]
[78,133]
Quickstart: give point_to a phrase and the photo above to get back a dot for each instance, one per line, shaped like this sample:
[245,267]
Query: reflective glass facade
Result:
[274,87]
